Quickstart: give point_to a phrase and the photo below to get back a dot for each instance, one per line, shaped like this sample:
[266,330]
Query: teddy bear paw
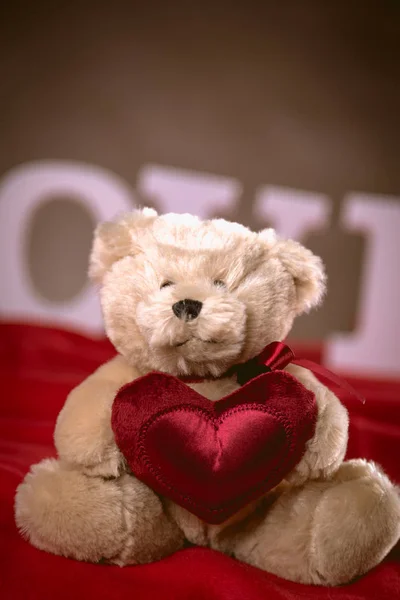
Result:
[356,523]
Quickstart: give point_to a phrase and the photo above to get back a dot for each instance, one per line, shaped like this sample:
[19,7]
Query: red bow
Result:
[276,356]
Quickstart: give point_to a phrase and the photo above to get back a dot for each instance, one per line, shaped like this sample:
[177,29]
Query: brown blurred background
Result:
[304,95]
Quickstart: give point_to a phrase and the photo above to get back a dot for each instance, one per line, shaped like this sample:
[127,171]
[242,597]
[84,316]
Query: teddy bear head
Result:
[192,297]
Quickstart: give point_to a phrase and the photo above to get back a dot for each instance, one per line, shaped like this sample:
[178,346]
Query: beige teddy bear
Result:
[326,523]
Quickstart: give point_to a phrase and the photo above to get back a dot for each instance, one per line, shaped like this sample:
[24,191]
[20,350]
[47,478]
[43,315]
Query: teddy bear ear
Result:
[307,269]
[114,240]
[308,272]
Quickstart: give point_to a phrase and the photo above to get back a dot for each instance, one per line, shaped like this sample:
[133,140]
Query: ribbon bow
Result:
[278,355]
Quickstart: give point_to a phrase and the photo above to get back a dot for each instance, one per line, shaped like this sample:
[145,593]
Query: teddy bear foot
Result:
[325,532]
[356,523]
[63,511]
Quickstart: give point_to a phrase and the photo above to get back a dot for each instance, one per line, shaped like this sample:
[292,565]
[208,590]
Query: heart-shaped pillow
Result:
[213,458]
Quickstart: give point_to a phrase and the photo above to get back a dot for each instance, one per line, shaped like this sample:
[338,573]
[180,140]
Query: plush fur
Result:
[327,523]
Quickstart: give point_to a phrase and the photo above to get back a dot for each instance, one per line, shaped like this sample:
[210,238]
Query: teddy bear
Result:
[191,299]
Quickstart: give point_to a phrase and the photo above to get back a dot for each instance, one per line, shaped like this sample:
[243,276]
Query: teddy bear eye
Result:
[166,284]
[219,283]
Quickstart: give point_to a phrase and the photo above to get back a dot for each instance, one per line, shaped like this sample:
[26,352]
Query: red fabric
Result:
[38,366]
[213,458]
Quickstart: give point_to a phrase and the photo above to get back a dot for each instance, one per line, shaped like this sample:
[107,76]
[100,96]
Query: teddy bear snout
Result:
[187,309]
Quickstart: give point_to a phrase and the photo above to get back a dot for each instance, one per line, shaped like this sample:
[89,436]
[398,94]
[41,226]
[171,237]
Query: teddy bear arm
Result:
[326,449]
[83,435]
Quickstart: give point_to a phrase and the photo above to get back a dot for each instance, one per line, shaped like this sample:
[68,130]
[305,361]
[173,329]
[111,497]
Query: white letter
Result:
[22,190]
[374,347]
[292,213]
[181,191]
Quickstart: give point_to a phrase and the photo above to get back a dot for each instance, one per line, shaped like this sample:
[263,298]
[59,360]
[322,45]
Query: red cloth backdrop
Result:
[38,367]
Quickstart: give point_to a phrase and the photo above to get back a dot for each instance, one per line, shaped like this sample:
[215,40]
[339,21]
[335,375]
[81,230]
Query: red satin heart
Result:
[213,458]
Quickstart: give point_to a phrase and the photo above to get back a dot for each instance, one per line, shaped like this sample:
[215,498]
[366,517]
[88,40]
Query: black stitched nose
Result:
[187,309]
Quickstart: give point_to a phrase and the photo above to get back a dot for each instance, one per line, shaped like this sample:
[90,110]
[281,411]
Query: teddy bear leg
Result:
[324,533]
[63,511]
